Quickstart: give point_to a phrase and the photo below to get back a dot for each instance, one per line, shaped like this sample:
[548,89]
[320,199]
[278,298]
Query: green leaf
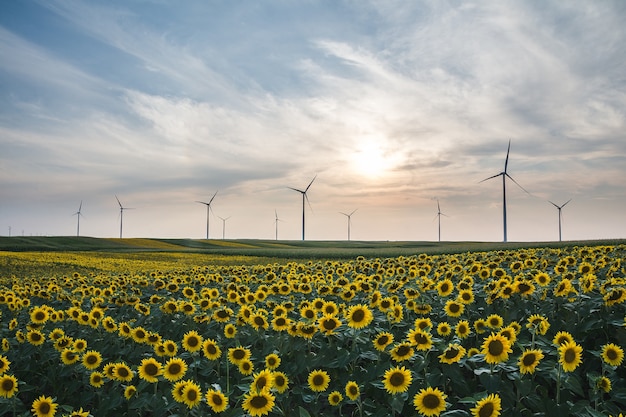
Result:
[303,413]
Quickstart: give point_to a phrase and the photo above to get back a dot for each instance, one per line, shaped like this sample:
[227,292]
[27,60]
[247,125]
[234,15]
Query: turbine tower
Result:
[208,209]
[78,214]
[504,175]
[304,197]
[224,225]
[349,216]
[276,220]
[559,209]
[439,214]
[122,208]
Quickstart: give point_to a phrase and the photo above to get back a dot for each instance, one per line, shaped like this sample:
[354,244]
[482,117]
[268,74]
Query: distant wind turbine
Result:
[224,226]
[304,197]
[559,209]
[122,208]
[276,220]
[349,216]
[439,214]
[78,214]
[504,175]
[208,209]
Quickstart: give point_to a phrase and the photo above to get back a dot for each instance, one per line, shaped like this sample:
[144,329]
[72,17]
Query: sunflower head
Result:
[430,401]
[612,354]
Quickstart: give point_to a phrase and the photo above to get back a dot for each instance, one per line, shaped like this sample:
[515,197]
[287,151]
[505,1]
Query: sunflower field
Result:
[527,332]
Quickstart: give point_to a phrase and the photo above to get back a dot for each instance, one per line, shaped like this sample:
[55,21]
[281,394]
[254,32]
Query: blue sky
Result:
[392,104]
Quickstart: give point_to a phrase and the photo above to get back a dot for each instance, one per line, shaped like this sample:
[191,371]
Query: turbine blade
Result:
[306,197]
[353,212]
[118,201]
[554,204]
[493,176]
[202,202]
[307,187]
[566,203]
[511,178]
[81,205]
[506,161]
[211,200]
[295,189]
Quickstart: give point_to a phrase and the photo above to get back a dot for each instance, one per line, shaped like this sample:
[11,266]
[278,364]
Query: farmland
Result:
[232,328]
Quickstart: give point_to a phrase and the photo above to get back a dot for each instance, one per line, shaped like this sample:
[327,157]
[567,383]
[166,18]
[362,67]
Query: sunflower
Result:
[382,340]
[538,323]
[603,383]
[359,316]
[174,369]
[402,351]
[192,341]
[216,400]
[211,349]
[509,333]
[281,381]
[192,394]
[562,338]
[4,364]
[150,369]
[494,321]
[463,329]
[238,354]
[490,406]
[8,385]
[612,354]
[39,315]
[335,398]
[130,391]
[529,360]
[139,334]
[496,348]
[570,356]
[444,329]
[258,403]
[92,359]
[445,287]
[261,380]
[430,401]
[44,407]
[352,390]
[96,379]
[542,278]
[78,413]
[328,324]
[272,361]
[397,380]
[453,353]
[246,367]
[465,296]
[420,339]
[230,331]
[318,380]
[454,308]
[177,391]
[122,372]
[69,356]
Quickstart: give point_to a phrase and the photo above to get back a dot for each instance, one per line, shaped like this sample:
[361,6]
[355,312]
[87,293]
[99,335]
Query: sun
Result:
[371,159]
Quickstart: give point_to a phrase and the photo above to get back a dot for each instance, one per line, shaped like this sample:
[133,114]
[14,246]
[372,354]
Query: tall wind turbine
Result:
[276,220]
[304,197]
[122,208]
[504,175]
[559,209]
[224,226]
[78,214]
[208,209]
[439,214]
[349,216]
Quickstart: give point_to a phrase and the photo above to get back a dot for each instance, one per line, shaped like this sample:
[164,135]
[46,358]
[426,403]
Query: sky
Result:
[392,106]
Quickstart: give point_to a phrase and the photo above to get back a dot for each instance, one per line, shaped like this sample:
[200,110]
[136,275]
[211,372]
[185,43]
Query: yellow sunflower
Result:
[174,369]
[420,339]
[463,329]
[238,355]
[69,356]
[490,406]
[430,401]
[495,321]
[258,403]
[192,341]
[8,385]
[496,348]
[216,400]
[529,360]
[246,367]
[453,353]
[96,379]
[612,354]
[130,391]
[44,407]
[211,349]
[335,398]
[122,372]
[359,316]
[281,382]
[230,331]
[445,287]
[261,380]
[397,380]
[4,364]
[327,324]
[92,359]
[39,315]
[603,383]
[352,390]
[191,394]
[444,329]
[318,380]
[570,355]
[150,369]
[453,308]
[382,340]
[272,361]
[561,338]
[401,352]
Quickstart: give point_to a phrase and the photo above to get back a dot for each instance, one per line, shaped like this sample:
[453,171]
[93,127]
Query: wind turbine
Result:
[122,208]
[224,226]
[78,214]
[504,175]
[276,220]
[349,216]
[304,197]
[439,214]
[208,209]
[559,209]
